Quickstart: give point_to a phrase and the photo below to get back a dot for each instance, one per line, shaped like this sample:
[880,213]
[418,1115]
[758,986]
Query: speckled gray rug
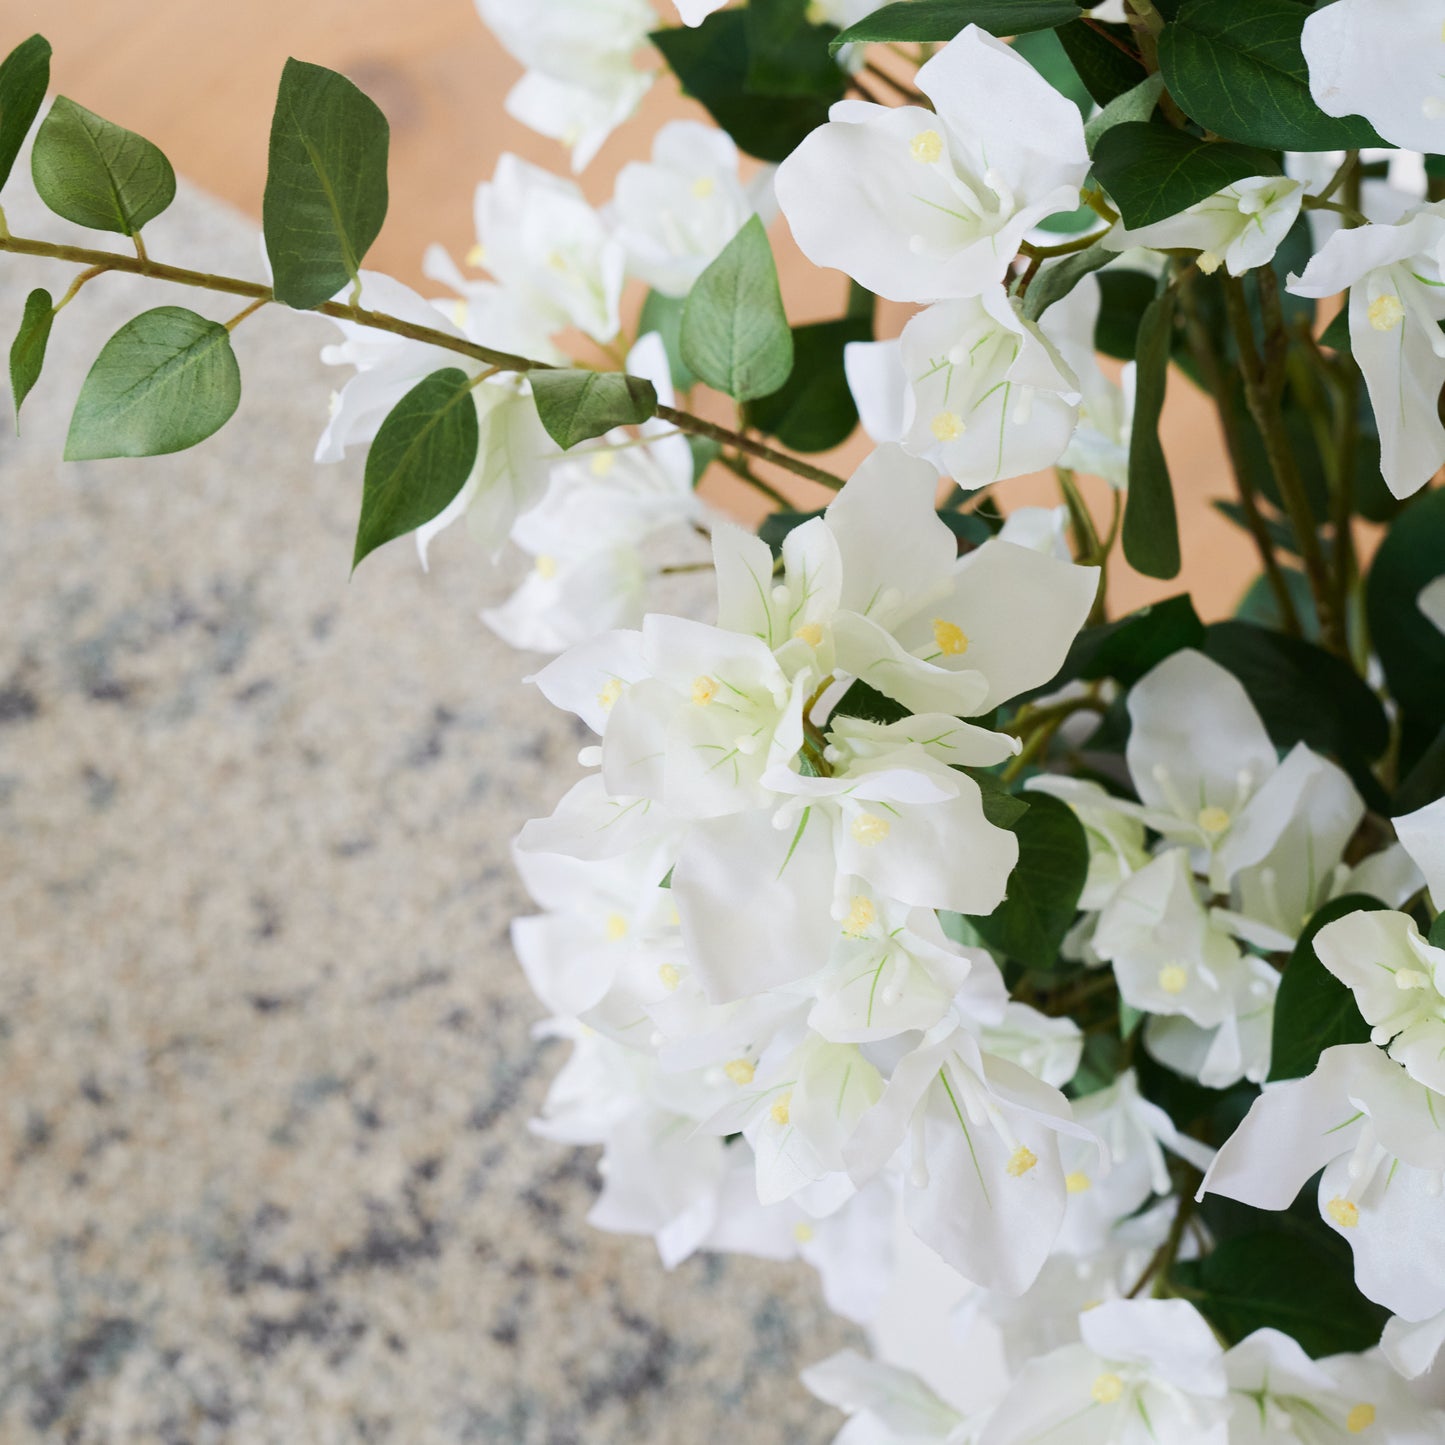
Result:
[265,1062]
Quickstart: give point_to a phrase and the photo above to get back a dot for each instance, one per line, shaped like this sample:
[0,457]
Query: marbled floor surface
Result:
[265,1058]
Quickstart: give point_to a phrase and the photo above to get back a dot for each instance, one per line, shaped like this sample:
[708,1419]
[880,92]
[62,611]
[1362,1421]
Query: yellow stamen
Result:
[671,976]
[704,689]
[780,1113]
[703,187]
[952,640]
[869,829]
[1409,979]
[1107,1389]
[616,928]
[740,1071]
[926,147]
[546,567]
[1174,979]
[1386,312]
[1078,1183]
[1360,1419]
[1213,820]
[811,633]
[803,1232]
[1344,1212]
[602,463]
[947,426]
[611,691]
[862,915]
[477,256]
[1208,262]
[1020,1162]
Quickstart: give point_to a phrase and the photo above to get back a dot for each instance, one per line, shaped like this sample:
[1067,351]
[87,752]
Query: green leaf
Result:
[663,314]
[788,54]
[735,333]
[943,19]
[712,61]
[326,191]
[1337,334]
[24,79]
[1424,783]
[27,354]
[1043,890]
[1124,298]
[1002,808]
[1125,650]
[1436,936]
[1055,281]
[1151,525]
[1313,1010]
[1283,1281]
[1106,70]
[814,409]
[861,700]
[98,174]
[1236,67]
[1260,606]
[162,383]
[1154,171]
[577,405]
[1130,108]
[1410,647]
[420,460]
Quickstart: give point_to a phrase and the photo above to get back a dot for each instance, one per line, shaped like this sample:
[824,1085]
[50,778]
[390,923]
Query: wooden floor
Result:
[198,77]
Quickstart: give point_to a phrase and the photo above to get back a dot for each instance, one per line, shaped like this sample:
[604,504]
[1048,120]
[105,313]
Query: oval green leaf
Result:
[24,79]
[1236,67]
[735,333]
[420,460]
[1151,523]
[98,174]
[162,383]
[942,19]
[326,192]
[27,354]
[577,405]
[1155,171]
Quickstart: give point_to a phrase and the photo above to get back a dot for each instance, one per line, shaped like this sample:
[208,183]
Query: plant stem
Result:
[1218,383]
[75,286]
[909,94]
[739,468]
[250,310]
[379,321]
[1263,388]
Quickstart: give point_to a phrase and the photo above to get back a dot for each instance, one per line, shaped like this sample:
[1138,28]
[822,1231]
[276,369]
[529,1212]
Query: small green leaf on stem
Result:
[420,460]
[162,383]
[27,354]
[98,174]
[577,405]
[24,79]
[735,334]
[326,190]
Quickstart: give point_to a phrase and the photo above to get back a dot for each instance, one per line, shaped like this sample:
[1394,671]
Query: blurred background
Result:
[266,1063]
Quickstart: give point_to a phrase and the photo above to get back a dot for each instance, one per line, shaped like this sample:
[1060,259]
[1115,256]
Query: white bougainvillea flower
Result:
[677,211]
[588,822]
[1048,1048]
[984,1187]
[1099,446]
[902,825]
[1116,840]
[1213,1003]
[694,12]
[1432,602]
[924,625]
[1146,1372]
[1398,980]
[1412,1347]
[925,205]
[538,236]
[989,395]
[886,1405]
[1282,1397]
[1397,300]
[1239,228]
[879,387]
[1422,834]
[582,78]
[1384,60]
[1205,769]
[1379,1136]
[1135,1134]
[602,504]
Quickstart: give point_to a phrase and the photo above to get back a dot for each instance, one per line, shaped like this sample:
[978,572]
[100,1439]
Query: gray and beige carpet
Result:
[266,1061]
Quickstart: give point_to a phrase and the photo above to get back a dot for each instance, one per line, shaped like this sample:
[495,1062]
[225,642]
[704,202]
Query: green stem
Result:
[739,468]
[379,321]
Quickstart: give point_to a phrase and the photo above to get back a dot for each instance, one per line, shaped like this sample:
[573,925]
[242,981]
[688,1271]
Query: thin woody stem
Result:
[379,321]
